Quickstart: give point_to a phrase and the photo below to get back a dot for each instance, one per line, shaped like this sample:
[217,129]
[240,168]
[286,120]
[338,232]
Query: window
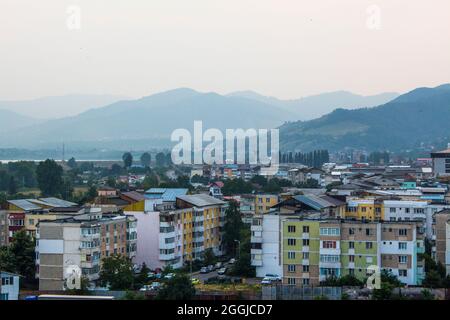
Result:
[329,258]
[392,210]
[351,245]
[402,259]
[305,255]
[377,210]
[407,210]
[7,281]
[329,244]
[402,245]
[369,245]
[402,273]
[329,231]
[291,268]
[351,272]
[31,222]
[306,242]
[351,258]
[267,200]
[402,232]
[351,231]
[291,281]
[305,268]
[291,255]
[292,242]
[305,229]
[368,233]
[305,282]
[291,229]
[363,209]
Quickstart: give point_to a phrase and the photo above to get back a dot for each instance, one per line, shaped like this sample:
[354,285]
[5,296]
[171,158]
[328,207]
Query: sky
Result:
[282,48]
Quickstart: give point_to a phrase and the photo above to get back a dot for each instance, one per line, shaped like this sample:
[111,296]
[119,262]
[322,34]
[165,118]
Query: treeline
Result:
[313,159]
[16,175]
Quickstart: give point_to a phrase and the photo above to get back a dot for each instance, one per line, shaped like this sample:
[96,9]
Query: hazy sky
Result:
[285,48]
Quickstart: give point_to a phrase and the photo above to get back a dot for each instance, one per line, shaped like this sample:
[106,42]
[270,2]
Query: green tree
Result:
[243,266]
[142,277]
[160,159]
[146,158]
[131,295]
[49,177]
[21,256]
[12,187]
[117,273]
[179,287]
[72,163]
[209,257]
[232,227]
[127,159]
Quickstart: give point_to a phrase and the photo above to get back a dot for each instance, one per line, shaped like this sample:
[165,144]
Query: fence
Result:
[287,292]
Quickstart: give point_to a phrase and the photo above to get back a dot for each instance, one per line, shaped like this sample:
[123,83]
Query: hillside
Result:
[315,106]
[148,121]
[419,116]
[12,121]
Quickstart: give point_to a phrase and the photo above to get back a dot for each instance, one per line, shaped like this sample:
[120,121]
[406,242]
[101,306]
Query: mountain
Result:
[10,121]
[419,116]
[58,106]
[148,121]
[314,106]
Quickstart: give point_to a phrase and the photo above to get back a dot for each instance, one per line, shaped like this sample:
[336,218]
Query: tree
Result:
[12,187]
[160,159]
[209,257]
[243,266]
[179,287]
[20,256]
[146,158]
[117,273]
[72,163]
[49,177]
[232,227]
[142,277]
[67,189]
[127,160]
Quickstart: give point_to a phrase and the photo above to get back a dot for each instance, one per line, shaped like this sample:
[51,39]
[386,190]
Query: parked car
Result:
[218,265]
[222,271]
[195,281]
[273,277]
[146,288]
[232,261]
[210,268]
[169,276]
[151,275]
[204,270]
[266,281]
[156,285]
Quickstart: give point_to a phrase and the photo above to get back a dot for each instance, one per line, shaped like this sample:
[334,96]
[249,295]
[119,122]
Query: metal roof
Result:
[55,202]
[201,200]
[24,204]
[166,194]
[314,202]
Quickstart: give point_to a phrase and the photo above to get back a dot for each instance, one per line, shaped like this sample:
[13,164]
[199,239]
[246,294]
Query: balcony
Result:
[256,228]
[256,239]
[256,251]
[257,263]
[165,257]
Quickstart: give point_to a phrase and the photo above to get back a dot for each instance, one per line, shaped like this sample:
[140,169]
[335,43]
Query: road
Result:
[205,276]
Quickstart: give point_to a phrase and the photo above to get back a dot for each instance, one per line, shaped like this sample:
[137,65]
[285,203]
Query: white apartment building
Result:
[265,245]
[9,286]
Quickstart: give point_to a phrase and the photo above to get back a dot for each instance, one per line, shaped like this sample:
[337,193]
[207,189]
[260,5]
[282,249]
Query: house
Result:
[9,286]
[215,189]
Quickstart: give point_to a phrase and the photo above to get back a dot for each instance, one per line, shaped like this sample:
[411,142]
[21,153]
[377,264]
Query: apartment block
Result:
[178,232]
[441,250]
[82,241]
[364,209]
[263,202]
[311,250]
[4,229]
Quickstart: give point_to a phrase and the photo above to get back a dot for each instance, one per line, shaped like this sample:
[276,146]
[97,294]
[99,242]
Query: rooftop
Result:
[201,200]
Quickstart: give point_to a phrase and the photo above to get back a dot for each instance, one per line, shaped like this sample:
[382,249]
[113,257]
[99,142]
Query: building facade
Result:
[81,242]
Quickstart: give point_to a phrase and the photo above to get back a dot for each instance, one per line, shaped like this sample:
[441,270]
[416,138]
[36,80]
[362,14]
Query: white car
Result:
[222,271]
[266,281]
[273,277]
[169,276]
[232,261]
